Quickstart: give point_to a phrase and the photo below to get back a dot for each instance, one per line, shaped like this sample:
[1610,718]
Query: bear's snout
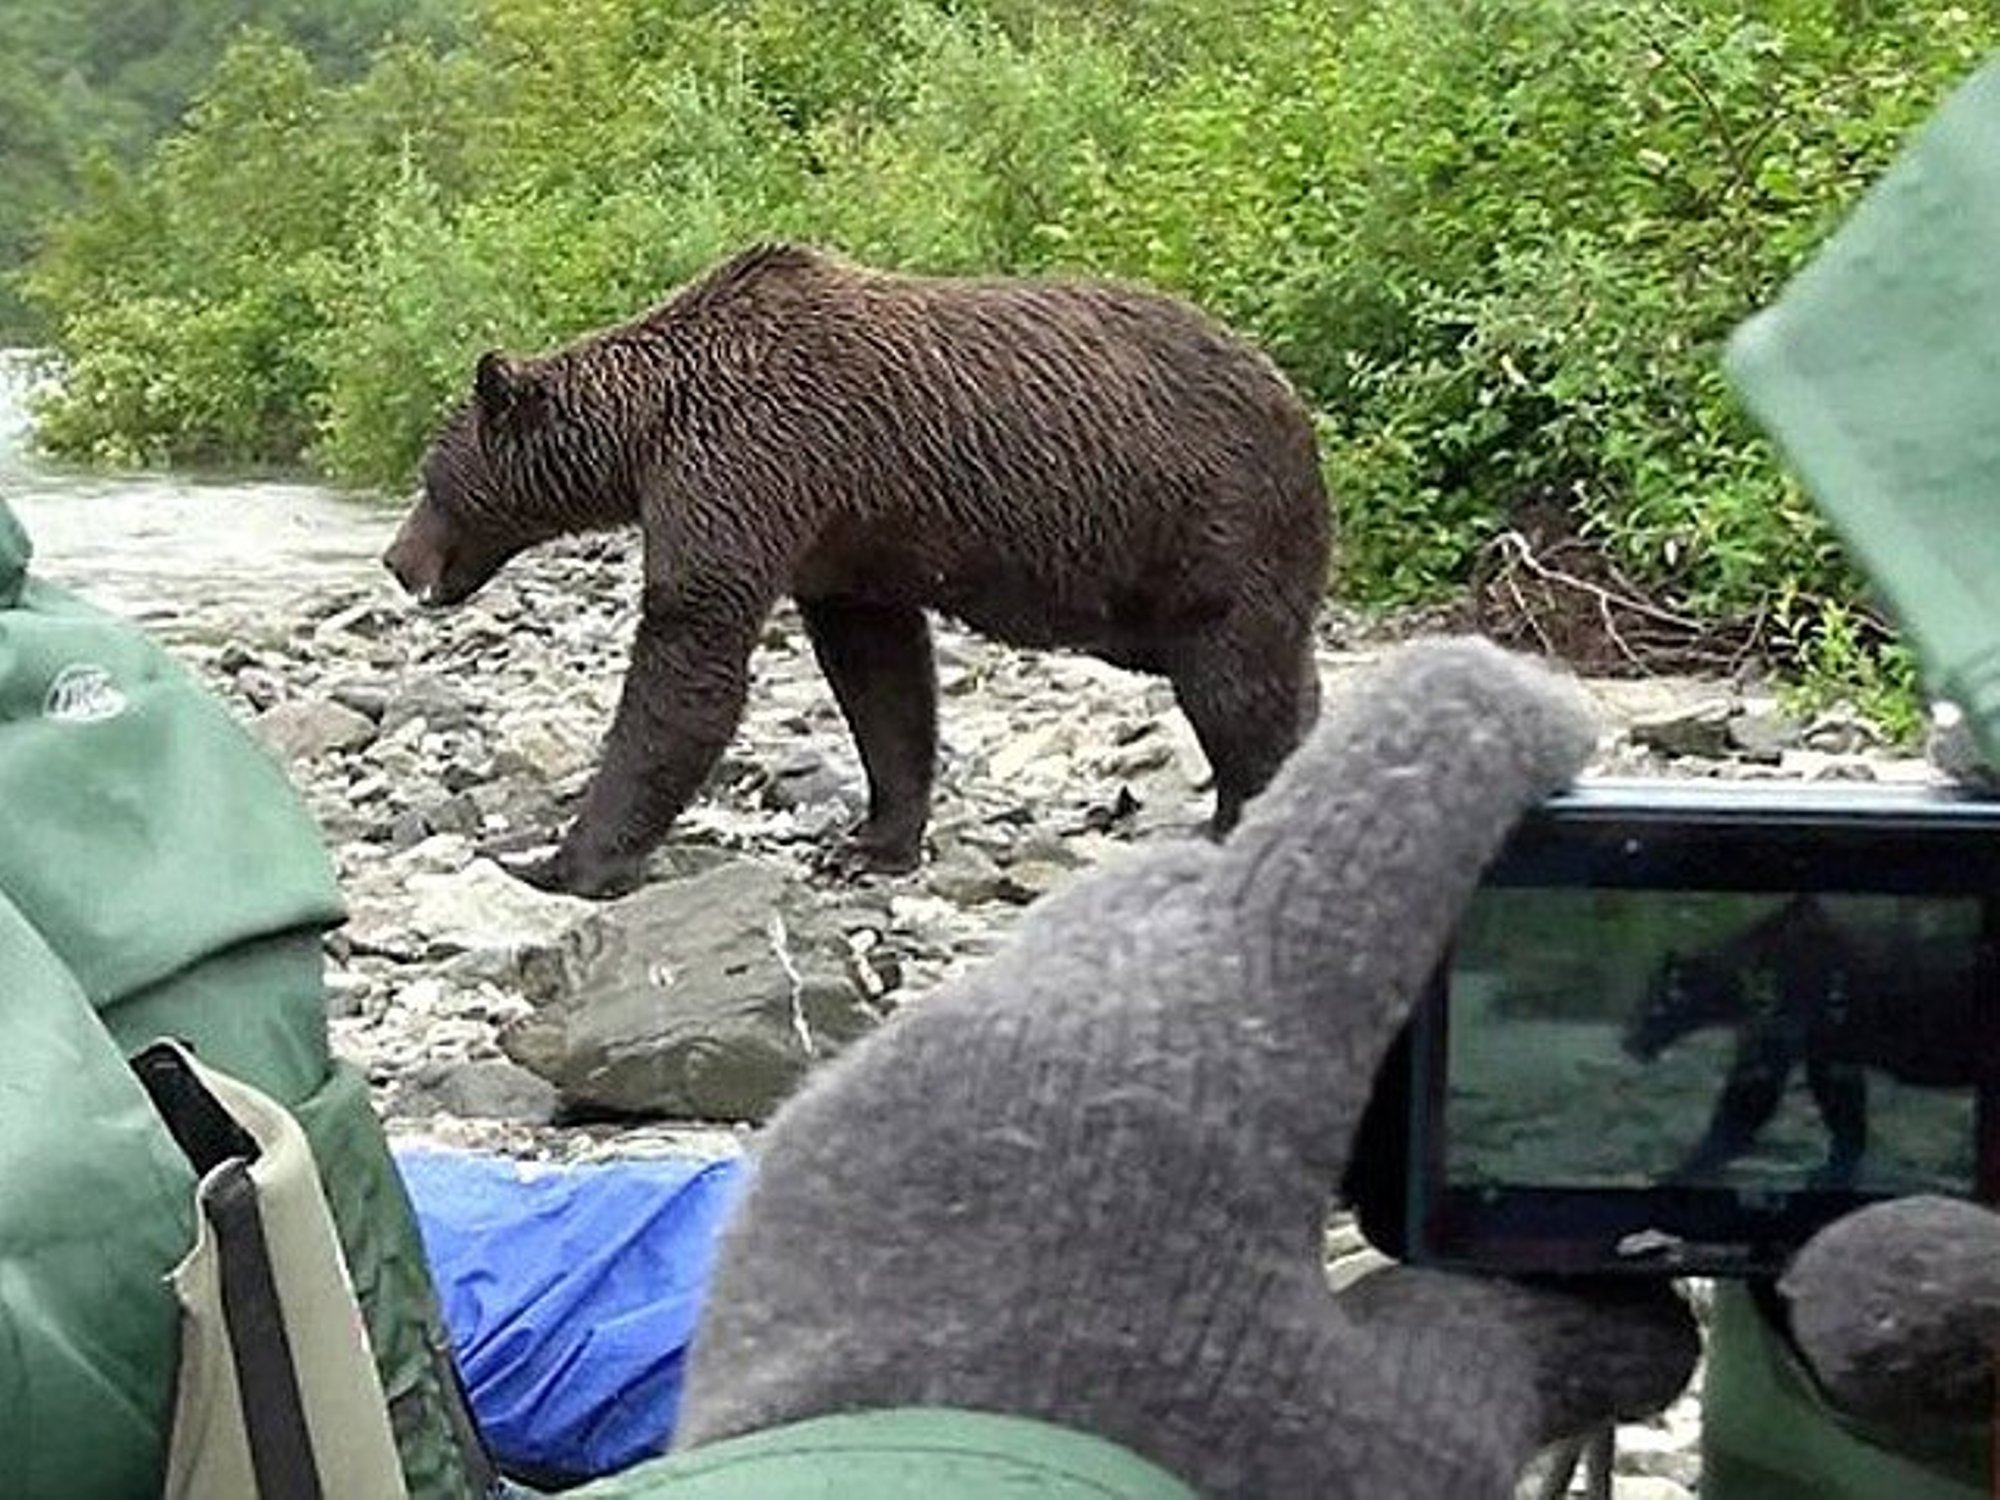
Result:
[440,563]
[417,581]
[417,557]
[399,570]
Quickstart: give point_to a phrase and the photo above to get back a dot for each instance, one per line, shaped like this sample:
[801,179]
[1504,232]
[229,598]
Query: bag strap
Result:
[277,1394]
[267,1380]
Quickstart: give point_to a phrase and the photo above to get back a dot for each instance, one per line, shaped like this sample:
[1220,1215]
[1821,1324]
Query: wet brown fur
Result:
[1055,462]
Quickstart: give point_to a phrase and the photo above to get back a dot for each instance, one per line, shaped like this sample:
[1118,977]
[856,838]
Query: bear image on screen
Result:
[1617,1038]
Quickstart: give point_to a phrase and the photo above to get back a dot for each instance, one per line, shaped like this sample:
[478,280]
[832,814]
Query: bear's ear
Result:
[505,390]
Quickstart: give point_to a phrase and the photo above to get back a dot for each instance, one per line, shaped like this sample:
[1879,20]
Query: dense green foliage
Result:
[1496,242]
[80,78]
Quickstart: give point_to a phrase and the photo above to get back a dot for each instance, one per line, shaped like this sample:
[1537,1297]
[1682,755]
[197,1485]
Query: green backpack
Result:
[160,879]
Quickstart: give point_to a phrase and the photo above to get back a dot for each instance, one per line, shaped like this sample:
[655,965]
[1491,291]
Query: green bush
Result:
[81,79]
[992,142]
[1500,241]
[185,298]
[1497,243]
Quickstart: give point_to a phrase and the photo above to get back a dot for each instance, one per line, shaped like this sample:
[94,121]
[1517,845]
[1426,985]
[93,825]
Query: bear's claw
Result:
[563,873]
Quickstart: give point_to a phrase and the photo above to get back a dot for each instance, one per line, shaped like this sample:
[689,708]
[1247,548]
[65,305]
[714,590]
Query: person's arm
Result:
[1087,1182]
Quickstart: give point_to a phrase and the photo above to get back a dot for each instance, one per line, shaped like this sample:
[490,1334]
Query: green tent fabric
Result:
[1768,1433]
[912,1453]
[159,877]
[1878,371]
[96,1205]
[145,831]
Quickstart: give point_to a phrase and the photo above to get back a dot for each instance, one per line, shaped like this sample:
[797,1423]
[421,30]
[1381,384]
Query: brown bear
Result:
[1055,462]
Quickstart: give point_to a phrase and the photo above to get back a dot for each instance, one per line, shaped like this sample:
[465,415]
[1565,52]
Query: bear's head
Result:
[506,471]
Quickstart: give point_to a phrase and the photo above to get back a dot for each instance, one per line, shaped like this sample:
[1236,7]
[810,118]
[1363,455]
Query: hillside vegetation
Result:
[88,79]
[1495,242]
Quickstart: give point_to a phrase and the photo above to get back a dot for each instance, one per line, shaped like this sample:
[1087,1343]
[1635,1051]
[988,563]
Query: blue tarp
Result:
[571,1294]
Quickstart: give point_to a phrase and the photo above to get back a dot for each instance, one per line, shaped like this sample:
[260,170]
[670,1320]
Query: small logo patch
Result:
[83,693]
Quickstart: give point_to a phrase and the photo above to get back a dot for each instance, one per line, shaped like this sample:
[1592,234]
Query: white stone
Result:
[482,906]
[1027,749]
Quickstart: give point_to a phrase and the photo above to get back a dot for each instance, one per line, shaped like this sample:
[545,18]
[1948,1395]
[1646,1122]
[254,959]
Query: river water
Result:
[156,546]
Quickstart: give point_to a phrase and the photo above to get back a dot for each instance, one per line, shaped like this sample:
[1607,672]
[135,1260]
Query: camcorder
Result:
[1686,1024]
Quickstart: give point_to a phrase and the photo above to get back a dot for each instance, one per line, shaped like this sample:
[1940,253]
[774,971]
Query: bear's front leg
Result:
[683,697]
[1750,1095]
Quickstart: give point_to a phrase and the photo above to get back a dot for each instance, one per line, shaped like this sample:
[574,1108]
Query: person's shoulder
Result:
[910,1453]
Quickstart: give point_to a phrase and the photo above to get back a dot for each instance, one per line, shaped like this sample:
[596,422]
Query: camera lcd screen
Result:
[1685,1045]
[1622,1038]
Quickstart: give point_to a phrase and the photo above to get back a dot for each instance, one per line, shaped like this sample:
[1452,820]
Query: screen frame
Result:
[1756,838]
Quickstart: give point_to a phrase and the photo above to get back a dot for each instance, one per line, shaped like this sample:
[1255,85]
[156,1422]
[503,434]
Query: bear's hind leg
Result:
[1251,694]
[1841,1091]
[877,658]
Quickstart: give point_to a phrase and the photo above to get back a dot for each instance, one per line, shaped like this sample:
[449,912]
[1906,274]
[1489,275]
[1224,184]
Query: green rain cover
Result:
[159,876]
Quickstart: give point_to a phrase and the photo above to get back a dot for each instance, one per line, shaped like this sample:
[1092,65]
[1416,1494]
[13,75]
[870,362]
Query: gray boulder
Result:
[1701,730]
[439,703]
[486,1089]
[1952,750]
[1760,731]
[305,729]
[703,997]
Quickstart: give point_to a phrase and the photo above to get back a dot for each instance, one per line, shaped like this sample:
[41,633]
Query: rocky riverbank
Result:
[435,748]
